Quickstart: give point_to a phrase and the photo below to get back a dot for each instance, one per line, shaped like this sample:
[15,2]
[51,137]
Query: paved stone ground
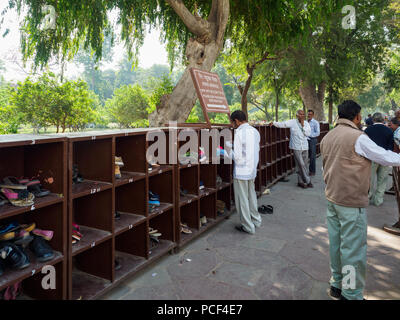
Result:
[287,258]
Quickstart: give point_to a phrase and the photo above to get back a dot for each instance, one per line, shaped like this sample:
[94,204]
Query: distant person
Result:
[245,154]
[300,130]
[383,137]
[395,126]
[347,153]
[312,141]
[369,121]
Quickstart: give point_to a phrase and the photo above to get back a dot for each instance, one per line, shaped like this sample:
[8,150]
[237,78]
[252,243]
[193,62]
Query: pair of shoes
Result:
[312,174]
[76,176]
[154,199]
[117,167]
[201,186]
[185,229]
[34,186]
[18,234]
[13,256]
[302,185]
[203,220]
[266,209]
[76,234]
[391,191]
[41,249]
[310,185]
[241,229]
[335,292]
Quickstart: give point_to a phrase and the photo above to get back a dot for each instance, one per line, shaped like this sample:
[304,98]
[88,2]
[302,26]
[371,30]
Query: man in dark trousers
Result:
[347,153]
[383,137]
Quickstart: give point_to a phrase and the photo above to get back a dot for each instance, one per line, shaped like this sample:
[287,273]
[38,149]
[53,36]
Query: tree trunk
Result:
[313,98]
[394,105]
[201,52]
[330,104]
[276,106]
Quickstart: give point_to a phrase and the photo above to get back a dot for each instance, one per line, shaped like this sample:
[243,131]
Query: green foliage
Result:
[47,102]
[162,87]
[128,105]
[10,119]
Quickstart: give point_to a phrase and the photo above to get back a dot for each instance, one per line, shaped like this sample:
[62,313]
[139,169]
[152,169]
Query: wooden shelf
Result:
[86,286]
[206,192]
[10,276]
[223,185]
[186,199]
[129,177]
[8,210]
[127,222]
[130,264]
[91,237]
[89,187]
[163,247]
[161,169]
[161,209]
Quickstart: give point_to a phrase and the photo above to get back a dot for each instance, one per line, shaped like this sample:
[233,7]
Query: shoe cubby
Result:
[190,216]
[163,185]
[132,150]
[131,250]
[208,209]
[279,168]
[131,205]
[263,157]
[208,175]
[269,175]
[188,141]
[94,214]
[94,158]
[188,184]
[274,152]
[224,171]
[44,158]
[225,196]
[92,271]
[164,224]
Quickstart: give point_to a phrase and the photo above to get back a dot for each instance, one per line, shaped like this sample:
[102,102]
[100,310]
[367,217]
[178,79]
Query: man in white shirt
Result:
[299,131]
[312,141]
[245,154]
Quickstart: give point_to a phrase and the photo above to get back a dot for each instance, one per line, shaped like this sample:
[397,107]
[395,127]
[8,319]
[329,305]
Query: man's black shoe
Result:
[15,257]
[335,292]
[41,249]
[241,229]
[343,298]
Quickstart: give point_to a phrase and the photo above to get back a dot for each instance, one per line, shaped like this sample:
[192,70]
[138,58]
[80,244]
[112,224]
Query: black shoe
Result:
[335,292]
[343,298]
[241,229]
[2,267]
[41,249]
[14,256]
[310,185]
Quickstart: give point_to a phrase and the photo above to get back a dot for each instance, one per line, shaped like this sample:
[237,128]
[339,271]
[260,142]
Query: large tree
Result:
[194,30]
[339,57]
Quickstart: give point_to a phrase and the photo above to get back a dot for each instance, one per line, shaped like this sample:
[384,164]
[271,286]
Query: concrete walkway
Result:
[287,258]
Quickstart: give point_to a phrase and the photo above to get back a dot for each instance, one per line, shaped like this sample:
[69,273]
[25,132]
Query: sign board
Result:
[210,92]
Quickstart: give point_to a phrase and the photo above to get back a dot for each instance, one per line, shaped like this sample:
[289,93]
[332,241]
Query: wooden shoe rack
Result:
[86,269]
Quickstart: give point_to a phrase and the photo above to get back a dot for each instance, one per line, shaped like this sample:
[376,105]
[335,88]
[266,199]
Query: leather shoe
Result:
[335,292]
[241,229]
[15,257]
[41,249]
[302,185]
[310,185]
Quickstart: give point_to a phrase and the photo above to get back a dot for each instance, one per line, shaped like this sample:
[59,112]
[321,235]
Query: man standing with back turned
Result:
[245,154]
[299,131]
[347,153]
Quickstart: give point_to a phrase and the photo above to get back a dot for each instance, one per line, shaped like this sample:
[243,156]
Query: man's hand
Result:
[229,144]
[271,123]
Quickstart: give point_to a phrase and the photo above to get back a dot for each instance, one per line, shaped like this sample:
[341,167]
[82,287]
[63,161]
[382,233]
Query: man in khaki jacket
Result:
[347,153]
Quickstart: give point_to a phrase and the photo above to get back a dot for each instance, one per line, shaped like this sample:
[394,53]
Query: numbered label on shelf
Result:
[33,141]
[130,227]
[93,244]
[33,271]
[130,180]
[33,207]
[93,137]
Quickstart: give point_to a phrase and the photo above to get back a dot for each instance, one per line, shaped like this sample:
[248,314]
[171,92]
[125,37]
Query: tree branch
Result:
[196,25]
[222,19]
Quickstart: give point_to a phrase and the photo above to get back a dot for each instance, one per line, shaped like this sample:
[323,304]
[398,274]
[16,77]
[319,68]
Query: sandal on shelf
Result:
[22,238]
[35,187]
[12,183]
[76,176]
[19,198]
[185,229]
[45,234]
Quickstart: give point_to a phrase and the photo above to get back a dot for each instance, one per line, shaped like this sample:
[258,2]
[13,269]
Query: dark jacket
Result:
[381,135]
[369,121]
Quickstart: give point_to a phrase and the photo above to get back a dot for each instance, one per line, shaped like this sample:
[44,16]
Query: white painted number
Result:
[349,21]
